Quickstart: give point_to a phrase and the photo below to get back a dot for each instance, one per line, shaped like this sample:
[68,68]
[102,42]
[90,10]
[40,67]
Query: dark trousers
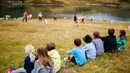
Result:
[82,21]
[40,19]
[24,19]
[55,19]
[73,60]
[110,50]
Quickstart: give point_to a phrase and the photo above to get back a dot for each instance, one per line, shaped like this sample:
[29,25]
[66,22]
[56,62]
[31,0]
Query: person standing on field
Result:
[75,19]
[55,17]
[25,15]
[82,18]
[40,17]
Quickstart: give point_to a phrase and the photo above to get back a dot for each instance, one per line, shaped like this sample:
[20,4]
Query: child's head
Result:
[111,31]
[29,49]
[42,51]
[43,56]
[77,41]
[96,34]
[87,39]
[12,67]
[122,33]
[50,46]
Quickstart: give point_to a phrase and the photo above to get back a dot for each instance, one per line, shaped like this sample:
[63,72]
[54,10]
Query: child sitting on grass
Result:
[90,49]
[30,59]
[98,43]
[110,43]
[121,40]
[44,64]
[77,54]
[53,53]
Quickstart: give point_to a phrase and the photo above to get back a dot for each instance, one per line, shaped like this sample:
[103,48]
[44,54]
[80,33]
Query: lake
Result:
[98,12]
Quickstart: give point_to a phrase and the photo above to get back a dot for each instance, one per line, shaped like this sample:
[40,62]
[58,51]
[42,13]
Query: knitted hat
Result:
[87,39]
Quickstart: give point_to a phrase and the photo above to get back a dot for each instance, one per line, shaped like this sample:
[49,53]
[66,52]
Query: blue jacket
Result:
[28,65]
[79,55]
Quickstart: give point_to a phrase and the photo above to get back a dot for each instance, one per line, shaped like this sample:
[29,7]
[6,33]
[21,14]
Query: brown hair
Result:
[122,33]
[96,34]
[50,46]
[77,41]
[43,55]
[111,31]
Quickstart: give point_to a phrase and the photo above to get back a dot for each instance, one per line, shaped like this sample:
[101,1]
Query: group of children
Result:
[47,59]
[96,46]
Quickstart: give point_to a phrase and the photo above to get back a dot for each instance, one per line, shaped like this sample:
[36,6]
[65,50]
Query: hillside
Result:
[15,35]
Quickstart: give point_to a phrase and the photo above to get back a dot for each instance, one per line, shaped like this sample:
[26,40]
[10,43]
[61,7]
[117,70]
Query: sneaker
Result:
[66,59]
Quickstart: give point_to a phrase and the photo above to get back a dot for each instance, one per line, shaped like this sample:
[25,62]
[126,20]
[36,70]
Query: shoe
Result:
[66,59]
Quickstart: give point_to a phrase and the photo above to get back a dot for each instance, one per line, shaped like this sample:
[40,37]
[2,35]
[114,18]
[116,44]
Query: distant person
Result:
[53,53]
[82,19]
[75,19]
[90,49]
[121,40]
[30,59]
[25,15]
[40,17]
[110,43]
[55,17]
[98,43]
[29,16]
[77,54]
[92,18]
[44,64]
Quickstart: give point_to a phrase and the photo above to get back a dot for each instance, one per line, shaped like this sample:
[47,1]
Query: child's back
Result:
[56,59]
[110,43]
[79,55]
[98,43]
[121,40]
[99,46]
[90,50]
[54,55]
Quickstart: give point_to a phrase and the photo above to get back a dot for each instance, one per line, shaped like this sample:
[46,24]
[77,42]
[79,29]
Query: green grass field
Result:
[15,35]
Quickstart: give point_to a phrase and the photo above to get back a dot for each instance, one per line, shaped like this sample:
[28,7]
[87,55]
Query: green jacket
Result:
[121,43]
[56,59]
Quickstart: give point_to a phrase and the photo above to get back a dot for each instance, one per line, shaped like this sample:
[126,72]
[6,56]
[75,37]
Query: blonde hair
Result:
[29,49]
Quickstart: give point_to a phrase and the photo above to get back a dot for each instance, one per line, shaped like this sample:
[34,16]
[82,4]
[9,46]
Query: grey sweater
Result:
[99,46]
[41,69]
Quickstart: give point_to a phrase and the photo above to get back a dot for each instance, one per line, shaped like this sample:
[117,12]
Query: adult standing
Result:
[75,19]
[82,18]
[25,15]
[55,17]
[40,17]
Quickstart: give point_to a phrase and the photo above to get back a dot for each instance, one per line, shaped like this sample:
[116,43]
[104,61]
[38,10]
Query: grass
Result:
[15,35]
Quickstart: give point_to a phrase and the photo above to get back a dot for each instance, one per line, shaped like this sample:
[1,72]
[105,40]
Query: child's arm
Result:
[71,52]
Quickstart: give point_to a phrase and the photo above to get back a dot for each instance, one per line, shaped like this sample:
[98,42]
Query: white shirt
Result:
[39,15]
[90,50]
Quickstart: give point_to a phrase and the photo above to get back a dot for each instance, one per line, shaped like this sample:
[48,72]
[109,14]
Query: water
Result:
[98,12]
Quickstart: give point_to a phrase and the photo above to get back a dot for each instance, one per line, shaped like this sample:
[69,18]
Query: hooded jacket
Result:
[41,69]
